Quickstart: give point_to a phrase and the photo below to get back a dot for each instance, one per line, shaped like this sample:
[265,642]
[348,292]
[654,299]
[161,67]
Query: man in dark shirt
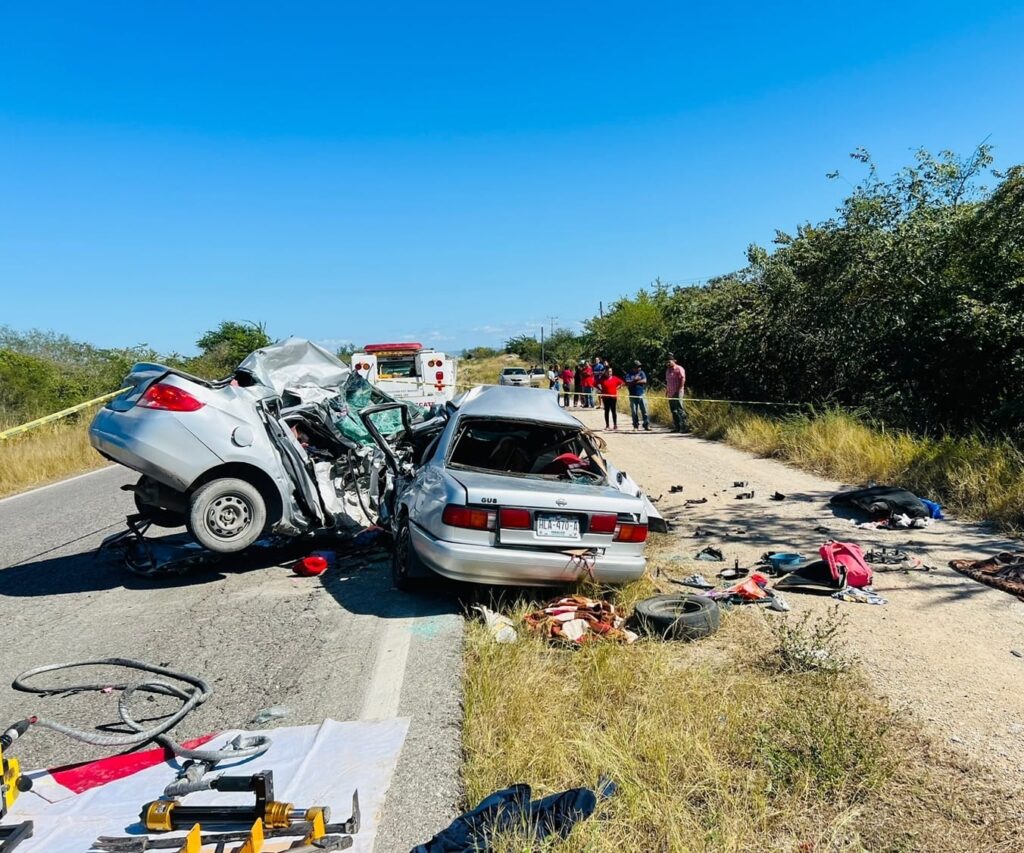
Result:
[636,379]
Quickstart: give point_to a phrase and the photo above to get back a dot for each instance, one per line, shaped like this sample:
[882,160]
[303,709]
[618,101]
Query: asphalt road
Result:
[344,646]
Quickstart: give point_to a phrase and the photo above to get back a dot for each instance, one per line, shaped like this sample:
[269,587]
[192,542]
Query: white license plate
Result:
[558,526]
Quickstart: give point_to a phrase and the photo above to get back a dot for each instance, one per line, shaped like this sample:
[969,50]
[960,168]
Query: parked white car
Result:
[515,376]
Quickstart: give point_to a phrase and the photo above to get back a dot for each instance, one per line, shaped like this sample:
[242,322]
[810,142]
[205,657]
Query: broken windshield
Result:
[525,448]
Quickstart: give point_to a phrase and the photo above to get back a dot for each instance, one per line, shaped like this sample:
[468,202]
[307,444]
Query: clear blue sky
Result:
[453,172]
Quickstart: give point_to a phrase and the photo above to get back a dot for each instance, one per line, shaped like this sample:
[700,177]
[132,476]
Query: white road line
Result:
[58,483]
[385,688]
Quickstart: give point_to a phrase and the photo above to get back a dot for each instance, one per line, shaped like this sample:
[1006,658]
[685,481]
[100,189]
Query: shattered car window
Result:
[526,448]
[360,394]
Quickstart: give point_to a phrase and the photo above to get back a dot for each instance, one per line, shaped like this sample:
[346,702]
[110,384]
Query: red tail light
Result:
[439,376]
[514,519]
[603,523]
[631,533]
[464,516]
[169,398]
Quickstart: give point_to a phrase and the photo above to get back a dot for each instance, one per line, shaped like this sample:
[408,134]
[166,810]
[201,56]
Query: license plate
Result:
[558,526]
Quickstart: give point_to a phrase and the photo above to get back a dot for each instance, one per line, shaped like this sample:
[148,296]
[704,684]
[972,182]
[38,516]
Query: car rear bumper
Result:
[518,567]
[154,444]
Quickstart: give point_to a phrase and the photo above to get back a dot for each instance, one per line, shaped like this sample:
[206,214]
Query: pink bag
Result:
[846,562]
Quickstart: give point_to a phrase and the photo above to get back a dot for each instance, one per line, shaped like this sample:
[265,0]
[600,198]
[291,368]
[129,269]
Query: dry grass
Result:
[715,746]
[47,454]
[974,478]
[484,371]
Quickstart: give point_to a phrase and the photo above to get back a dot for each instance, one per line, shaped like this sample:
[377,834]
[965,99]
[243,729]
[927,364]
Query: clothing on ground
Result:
[511,809]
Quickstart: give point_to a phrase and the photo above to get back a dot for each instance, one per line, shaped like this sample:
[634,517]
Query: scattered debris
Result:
[578,619]
[702,532]
[695,501]
[710,553]
[510,810]
[740,484]
[780,562]
[821,528]
[675,490]
[274,712]
[1017,653]
[1004,571]
[310,566]
[676,617]
[778,496]
[499,626]
[698,581]
[862,595]
[841,565]
[745,496]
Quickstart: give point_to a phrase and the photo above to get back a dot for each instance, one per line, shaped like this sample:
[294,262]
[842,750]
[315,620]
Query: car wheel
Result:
[406,567]
[678,617]
[227,515]
[158,515]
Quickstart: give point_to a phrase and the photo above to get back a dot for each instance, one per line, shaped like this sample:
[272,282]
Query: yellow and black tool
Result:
[165,815]
[12,782]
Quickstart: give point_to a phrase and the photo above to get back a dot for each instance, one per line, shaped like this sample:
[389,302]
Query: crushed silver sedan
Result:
[509,489]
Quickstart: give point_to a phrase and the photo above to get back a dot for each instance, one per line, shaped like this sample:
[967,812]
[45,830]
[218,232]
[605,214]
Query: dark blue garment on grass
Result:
[512,809]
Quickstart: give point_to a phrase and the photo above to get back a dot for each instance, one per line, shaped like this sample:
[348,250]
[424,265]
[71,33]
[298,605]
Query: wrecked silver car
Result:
[508,488]
[277,447]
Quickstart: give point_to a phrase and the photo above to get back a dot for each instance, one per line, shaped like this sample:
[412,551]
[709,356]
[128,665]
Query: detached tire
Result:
[676,617]
[227,515]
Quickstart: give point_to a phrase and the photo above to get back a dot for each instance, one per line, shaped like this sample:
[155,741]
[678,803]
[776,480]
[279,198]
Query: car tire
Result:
[406,567]
[227,515]
[676,617]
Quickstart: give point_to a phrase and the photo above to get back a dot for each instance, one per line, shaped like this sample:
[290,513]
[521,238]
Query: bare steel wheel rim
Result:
[228,516]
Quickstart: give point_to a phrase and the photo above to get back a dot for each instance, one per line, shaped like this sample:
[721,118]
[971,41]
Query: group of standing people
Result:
[593,380]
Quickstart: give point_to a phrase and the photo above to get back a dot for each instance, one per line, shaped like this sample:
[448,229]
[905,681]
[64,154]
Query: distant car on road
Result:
[515,376]
[538,377]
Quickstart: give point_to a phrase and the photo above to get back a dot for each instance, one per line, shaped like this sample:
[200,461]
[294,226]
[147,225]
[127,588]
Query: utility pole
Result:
[600,307]
[543,360]
[552,321]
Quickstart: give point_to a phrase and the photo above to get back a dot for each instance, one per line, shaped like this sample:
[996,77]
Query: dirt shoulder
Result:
[941,648]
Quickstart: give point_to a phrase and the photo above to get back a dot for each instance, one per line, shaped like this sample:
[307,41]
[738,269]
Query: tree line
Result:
[907,304]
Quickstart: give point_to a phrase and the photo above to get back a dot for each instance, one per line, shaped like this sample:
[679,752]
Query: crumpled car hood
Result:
[293,364]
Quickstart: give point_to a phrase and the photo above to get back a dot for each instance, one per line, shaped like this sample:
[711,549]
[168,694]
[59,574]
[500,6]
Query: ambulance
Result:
[408,371]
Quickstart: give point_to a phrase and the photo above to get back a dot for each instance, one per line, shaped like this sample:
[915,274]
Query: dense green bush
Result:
[909,304]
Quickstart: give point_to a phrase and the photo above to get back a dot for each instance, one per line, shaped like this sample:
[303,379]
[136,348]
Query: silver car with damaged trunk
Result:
[509,489]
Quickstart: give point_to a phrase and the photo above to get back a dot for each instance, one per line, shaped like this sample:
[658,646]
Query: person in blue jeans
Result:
[636,380]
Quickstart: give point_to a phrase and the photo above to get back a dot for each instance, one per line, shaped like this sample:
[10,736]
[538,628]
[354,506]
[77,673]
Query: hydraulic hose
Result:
[191,691]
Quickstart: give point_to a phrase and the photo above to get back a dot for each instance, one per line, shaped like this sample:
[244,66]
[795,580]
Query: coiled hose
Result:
[194,694]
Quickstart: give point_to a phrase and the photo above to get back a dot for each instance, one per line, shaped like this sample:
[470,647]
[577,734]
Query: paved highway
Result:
[342,646]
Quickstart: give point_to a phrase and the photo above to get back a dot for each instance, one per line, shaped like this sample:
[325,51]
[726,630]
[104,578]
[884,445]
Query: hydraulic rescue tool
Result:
[166,814]
[11,836]
[12,782]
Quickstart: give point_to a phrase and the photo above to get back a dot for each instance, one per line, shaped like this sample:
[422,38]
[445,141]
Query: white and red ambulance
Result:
[408,371]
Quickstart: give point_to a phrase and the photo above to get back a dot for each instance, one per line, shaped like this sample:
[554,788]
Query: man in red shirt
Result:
[567,378]
[675,387]
[610,386]
[588,386]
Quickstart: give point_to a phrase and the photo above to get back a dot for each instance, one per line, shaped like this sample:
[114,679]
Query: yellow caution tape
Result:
[56,416]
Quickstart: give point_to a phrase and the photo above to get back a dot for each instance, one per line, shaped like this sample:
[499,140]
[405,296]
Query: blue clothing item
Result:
[633,378]
[511,808]
[934,509]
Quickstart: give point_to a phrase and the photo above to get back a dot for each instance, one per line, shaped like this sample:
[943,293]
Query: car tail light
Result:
[464,516]
[631,533]
[603,523]
[514,519]
[170,398]
[439,376]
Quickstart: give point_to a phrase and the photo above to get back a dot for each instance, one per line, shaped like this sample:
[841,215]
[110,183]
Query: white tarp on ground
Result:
[313,765]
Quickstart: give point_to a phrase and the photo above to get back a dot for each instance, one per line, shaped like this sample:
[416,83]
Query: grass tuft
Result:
[46,454]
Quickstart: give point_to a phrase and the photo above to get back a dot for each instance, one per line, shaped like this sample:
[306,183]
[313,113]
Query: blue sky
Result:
[450,172]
